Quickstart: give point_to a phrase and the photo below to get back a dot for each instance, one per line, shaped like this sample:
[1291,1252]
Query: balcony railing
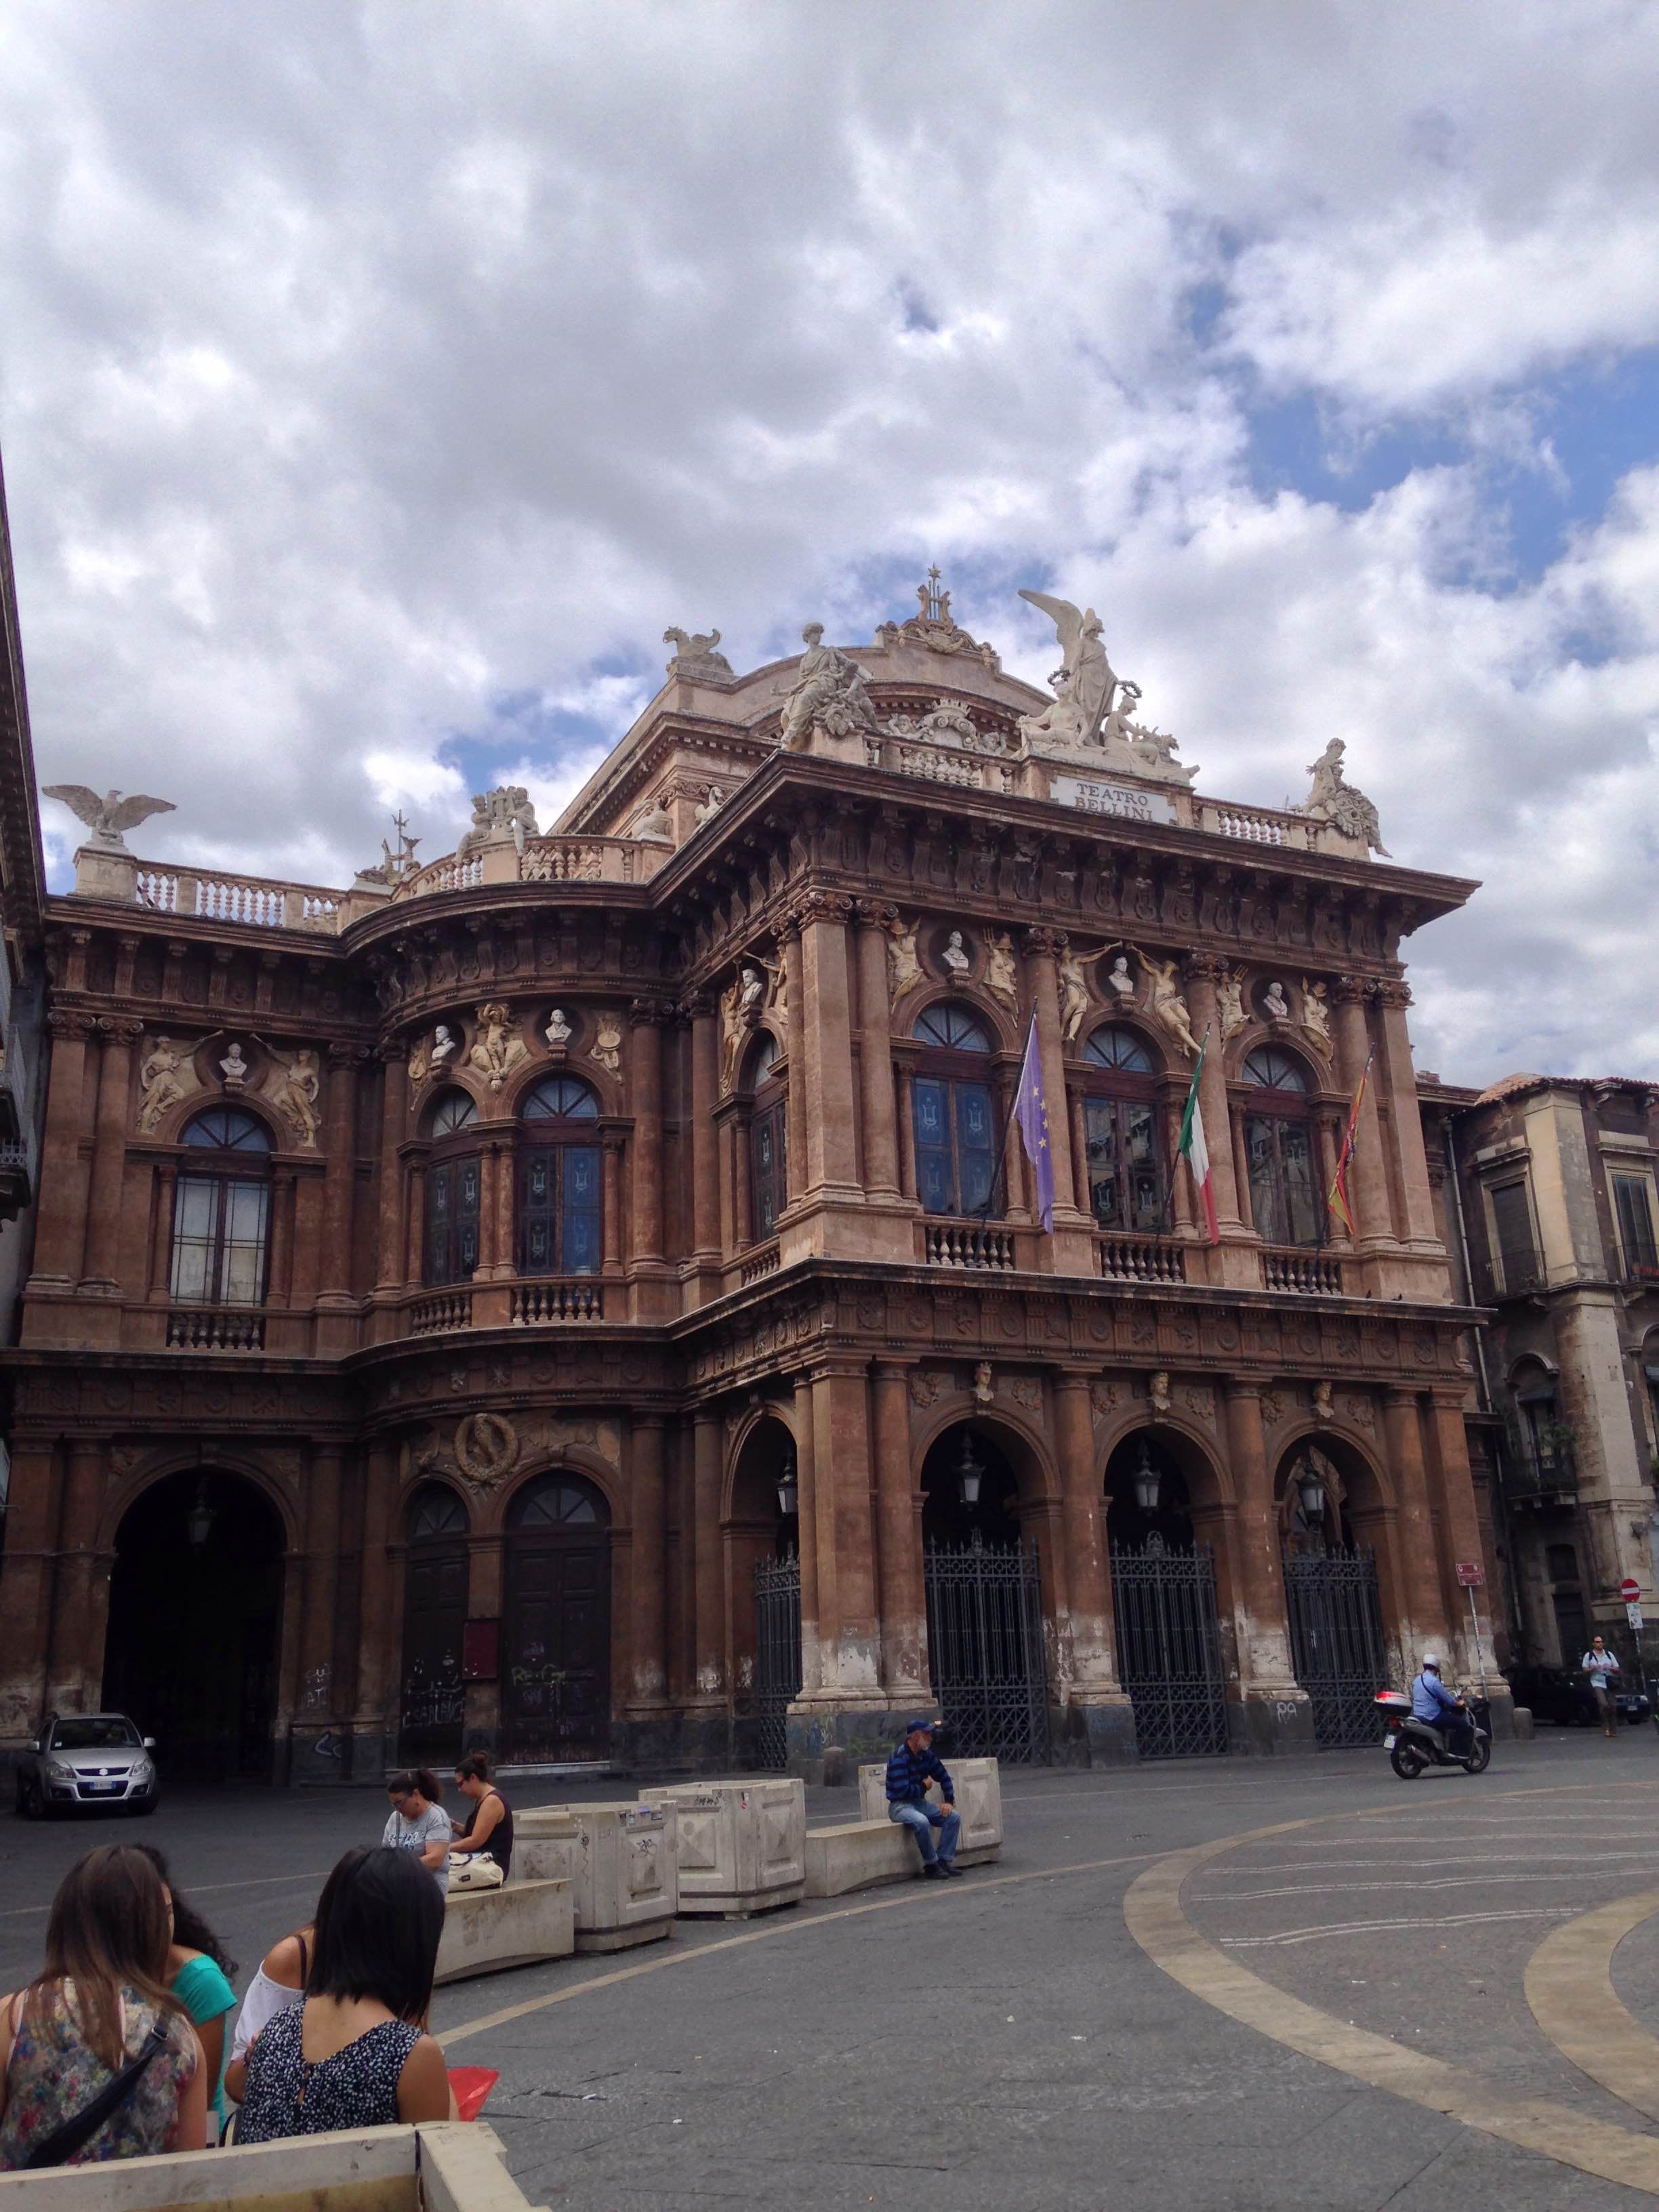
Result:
[191,1329]
[534,1305]
[765,1261]
[967,1244]
[265,905]
[443,1310]
[1290,1267]
[1540,1476]
[1141,1260]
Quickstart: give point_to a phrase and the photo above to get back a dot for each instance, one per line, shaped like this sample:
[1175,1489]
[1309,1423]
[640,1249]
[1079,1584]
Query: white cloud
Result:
[382,380]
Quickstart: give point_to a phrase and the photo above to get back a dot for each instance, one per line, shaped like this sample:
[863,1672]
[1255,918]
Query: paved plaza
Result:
[1182,1984]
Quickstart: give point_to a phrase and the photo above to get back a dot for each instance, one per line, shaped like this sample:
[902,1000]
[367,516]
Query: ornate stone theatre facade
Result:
[496,1302]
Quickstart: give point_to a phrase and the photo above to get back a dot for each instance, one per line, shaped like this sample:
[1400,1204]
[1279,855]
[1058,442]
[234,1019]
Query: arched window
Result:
[769,1139]
[557,1501]
[1279,1148]
[454,1178]
[435,1513]
[222,1211]
[1123,1132]
[952,1114]
[560,1226]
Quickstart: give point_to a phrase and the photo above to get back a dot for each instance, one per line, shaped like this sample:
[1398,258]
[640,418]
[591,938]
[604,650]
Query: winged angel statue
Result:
[1083,684]
[107,818]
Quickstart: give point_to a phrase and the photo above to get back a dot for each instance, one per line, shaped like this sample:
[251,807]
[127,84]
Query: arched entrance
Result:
[555,1666]
[763,1532]
[985,1646]
[1164,1600]
[432,1701]
[1327,1495]
[194,1612]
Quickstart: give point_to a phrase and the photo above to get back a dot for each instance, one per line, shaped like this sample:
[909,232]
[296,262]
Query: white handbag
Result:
[474,1870]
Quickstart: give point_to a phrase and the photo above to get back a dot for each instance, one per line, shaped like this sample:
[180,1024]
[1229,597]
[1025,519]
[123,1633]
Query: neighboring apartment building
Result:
[1556,1177]
[578,1297]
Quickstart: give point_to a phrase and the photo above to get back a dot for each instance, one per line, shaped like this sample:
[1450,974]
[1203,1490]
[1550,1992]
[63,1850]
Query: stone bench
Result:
[522,1924]
[859,1854]
[740,1846]
[979,1801]
[621,1863]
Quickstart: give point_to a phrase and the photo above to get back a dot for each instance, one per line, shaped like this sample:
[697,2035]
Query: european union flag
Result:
[1032,1112]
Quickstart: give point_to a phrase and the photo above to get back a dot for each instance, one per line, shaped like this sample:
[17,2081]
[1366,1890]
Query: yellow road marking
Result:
[1570,1989]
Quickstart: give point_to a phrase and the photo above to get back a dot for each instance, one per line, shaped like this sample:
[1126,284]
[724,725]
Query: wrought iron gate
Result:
[985,1649]
[1336,1643]
[777,1655]
[1169,1648]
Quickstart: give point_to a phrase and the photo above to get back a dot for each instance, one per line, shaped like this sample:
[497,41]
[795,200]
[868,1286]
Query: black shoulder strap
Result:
[64,2141]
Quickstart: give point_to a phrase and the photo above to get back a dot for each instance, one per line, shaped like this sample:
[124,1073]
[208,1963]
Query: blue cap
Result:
[910,1727]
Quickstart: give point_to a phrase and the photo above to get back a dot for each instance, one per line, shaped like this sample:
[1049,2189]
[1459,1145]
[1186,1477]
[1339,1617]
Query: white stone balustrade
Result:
[741,1846]
[621,1862]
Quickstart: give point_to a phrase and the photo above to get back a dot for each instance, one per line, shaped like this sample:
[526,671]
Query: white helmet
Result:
[1429,1660]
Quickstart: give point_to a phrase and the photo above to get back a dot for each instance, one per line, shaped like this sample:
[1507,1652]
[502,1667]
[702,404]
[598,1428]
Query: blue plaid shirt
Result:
[909,1773]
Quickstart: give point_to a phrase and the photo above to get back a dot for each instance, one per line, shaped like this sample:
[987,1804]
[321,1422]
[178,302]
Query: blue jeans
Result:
[921,1820]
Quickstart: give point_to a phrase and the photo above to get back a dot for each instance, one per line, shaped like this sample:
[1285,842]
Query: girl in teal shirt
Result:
[198,1975]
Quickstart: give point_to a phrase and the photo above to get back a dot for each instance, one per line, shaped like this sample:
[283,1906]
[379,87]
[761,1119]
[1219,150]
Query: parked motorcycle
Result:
[1411,1744]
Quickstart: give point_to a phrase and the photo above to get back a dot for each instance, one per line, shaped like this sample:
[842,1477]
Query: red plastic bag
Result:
[471,2086]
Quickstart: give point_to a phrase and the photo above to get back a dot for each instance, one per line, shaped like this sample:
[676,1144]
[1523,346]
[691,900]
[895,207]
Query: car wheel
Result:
[28,1803]
[149,1805]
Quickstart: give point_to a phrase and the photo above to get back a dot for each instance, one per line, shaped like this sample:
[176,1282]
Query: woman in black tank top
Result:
[489,1826]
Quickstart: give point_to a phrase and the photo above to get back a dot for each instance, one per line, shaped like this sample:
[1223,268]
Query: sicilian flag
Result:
[1032,1112]
[1192,1148]
[1337,1198]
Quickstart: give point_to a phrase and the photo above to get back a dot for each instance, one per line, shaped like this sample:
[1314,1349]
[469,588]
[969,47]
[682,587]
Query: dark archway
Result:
[985,1641]
[964,1456]
[1164,1601]
[556,1667]
[1330,1514]
[432,1701]
[195,1614]
[763,1536]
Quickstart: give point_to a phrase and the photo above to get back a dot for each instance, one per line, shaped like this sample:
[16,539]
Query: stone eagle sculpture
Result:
[107,818]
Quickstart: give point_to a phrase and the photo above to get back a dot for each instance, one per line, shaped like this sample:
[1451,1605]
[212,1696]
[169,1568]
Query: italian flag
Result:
[1196,1153]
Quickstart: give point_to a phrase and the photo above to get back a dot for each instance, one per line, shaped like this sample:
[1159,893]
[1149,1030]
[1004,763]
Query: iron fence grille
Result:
[1169,1648]
[777,1655]
[1336,1643]
[985,1650]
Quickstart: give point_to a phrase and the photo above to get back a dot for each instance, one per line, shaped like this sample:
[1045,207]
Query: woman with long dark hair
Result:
[198,1975]
[490,1825]
[91,2011]
[355,2054]
[418,1822]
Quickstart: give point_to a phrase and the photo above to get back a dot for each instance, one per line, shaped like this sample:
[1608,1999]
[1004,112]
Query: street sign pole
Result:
[1471,1573]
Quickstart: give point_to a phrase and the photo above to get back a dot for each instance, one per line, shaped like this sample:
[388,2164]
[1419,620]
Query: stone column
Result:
[1455,1485]
[1267,1674]
[374,1727]
[903,1599]
[340,1176]
[807,1477]
[610,1202]
[26,1588]
[489,1221]
[160,1249]
[1071,1249]
[394,1114]
[705,1156]
[1420,1226]
[1201,972]
[1088,1636]
[881,1167]
[1080,1156]
[847,1637]
[1368,1188]
[649,1613]
[79,1615]
[109,1159]
[826,1016]
[319,1699]
[708,1579]
[795,1107]
[907,1135]
[1419,1575]
[62,1220]
[645,1018]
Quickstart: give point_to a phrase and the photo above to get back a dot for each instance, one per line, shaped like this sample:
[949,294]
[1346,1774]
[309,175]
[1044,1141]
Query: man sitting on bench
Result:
[910,1769]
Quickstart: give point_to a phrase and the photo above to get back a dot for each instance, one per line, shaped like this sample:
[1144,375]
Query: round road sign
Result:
[1629,1590]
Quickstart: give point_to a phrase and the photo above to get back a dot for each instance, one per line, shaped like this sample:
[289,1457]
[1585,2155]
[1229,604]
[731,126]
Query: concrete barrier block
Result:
[741,1846]
[1521,1723]
[620,1861]
[488,1930]
[979,1799]
[859,1854]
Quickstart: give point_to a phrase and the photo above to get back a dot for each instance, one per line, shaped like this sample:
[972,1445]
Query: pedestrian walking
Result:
[353,2053]
[489,1825]
[199,1976]
[280,1982]
[418,1822]
[1602,1668]
[98,2058]
[910,1768]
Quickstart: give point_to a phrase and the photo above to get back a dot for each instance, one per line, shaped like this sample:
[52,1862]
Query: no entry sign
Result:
[1629,1589]
[1471,1575]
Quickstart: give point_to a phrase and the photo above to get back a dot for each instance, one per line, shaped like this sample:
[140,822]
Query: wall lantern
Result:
[1147,1481]
[970,1473]
[788,1488]
[199,1522]
[1313,1493]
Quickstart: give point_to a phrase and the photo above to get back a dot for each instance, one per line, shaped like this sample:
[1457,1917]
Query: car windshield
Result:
[99,1732]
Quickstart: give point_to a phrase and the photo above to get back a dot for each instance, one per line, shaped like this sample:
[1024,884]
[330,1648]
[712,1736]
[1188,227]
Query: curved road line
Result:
[1152,1910]
[1570,1989]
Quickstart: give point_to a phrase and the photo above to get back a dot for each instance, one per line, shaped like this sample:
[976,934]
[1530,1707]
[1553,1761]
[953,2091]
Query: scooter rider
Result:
[1432,1701]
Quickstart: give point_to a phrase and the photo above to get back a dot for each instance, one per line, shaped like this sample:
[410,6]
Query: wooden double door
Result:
[555,1657]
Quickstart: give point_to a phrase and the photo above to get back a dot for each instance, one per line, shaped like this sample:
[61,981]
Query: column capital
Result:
[1203,967]
[1242,1386]
[648,1013]
[696,1006]
[1401,1393]
[120,1029]
[341,1056]
[875,914]
[1392,994]
[821,906]
[73,1028]
[394,1050]
[1352,990]
[1043,942]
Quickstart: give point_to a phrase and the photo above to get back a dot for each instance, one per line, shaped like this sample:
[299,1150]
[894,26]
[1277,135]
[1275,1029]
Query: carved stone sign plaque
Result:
[1090,797]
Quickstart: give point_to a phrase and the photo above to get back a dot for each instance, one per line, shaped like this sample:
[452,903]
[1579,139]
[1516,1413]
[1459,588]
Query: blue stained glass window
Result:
[560,1098]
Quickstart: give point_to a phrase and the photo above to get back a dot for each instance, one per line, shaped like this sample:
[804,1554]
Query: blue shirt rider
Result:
[1432,1701]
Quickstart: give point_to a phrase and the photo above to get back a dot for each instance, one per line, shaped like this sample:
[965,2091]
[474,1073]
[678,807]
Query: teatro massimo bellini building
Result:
[577,1298]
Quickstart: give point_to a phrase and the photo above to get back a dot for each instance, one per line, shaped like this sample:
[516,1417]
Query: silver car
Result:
[85,1759]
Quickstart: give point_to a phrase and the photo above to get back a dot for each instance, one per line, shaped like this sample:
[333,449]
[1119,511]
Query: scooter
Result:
[1411,1744]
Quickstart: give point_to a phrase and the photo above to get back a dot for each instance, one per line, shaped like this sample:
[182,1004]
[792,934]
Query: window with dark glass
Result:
[561,1208]
[1632,1196]
[451,1220]
[953,1117]
[1511,1221]
[1122,1126]
[1285,1202]
[768,1141]
[222,1211]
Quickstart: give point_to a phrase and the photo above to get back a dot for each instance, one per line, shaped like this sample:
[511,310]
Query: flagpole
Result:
[1175,1158]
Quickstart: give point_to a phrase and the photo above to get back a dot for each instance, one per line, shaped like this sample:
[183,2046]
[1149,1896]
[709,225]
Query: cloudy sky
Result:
[379,380]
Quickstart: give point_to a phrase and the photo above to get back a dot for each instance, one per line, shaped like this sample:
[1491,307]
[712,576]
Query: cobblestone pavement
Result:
[1013,2039]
